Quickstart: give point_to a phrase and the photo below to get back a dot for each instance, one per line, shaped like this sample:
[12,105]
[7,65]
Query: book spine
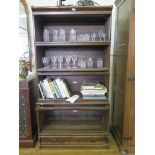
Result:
[51,87]
[91,97]
[60,87]
[57,88]
[41,91]
[43,88]
[54,89]
[67,91]
[93,93]
[64,88]
[50,94]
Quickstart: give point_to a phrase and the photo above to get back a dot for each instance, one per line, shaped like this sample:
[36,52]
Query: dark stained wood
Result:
[97,43]
[50,69]
[69,8]
[78,102]
[27,123]
[124,63]
[86,122]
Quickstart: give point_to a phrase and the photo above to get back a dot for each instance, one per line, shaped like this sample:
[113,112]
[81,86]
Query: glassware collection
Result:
[72,62]
[59,35]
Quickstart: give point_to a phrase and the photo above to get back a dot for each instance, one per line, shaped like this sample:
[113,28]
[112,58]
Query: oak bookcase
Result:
[86,122]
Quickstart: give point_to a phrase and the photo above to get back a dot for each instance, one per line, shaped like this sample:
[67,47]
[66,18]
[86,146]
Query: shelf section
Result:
[91,43]
[78,102]
[50,69]
[77,71]
[73,127]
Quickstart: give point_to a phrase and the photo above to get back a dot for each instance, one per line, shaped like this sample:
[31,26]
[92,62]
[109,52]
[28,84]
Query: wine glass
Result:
[93,36]
[74,59]
[100,34]
[68,59]
[54,60]
[60,60]
[103,35]
[46,61]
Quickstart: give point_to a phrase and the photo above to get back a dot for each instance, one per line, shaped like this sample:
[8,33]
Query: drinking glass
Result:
[55,36]
[99,62]
[60,60]
[46,61]
[54,60]
[62,36]
[74,59]
[101,34]
[90,63]
[68,59]
[93,36]
[46,35]
[72,35]
[83,63]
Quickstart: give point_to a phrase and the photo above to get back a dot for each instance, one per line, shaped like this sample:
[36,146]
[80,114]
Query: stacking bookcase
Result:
[84,123]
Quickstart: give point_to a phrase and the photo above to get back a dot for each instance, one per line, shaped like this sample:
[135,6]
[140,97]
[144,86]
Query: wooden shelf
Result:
[70,127]
[50,69]
[90,43]
[77,71]
[62,102]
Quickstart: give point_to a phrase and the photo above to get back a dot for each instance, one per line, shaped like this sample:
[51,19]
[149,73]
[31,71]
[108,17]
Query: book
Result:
[60,87]
[51,87]
[93,92]
[95,85]
[41,91]
[57,89]
[47,87]
[94,97]
[65,88]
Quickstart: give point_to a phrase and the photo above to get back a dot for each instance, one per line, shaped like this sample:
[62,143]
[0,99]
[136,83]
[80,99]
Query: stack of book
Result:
[54,89]
[93,90]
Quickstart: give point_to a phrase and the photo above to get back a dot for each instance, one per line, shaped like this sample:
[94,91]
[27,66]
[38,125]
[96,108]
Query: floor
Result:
[113,150]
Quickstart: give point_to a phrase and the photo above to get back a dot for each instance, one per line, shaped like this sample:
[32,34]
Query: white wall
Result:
[67,2]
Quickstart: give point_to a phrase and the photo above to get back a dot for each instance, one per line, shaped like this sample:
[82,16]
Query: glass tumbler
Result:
[62,35]
[90,63]
[55,36]
[83,63]
[46,35]
[99,62]
[72,35]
